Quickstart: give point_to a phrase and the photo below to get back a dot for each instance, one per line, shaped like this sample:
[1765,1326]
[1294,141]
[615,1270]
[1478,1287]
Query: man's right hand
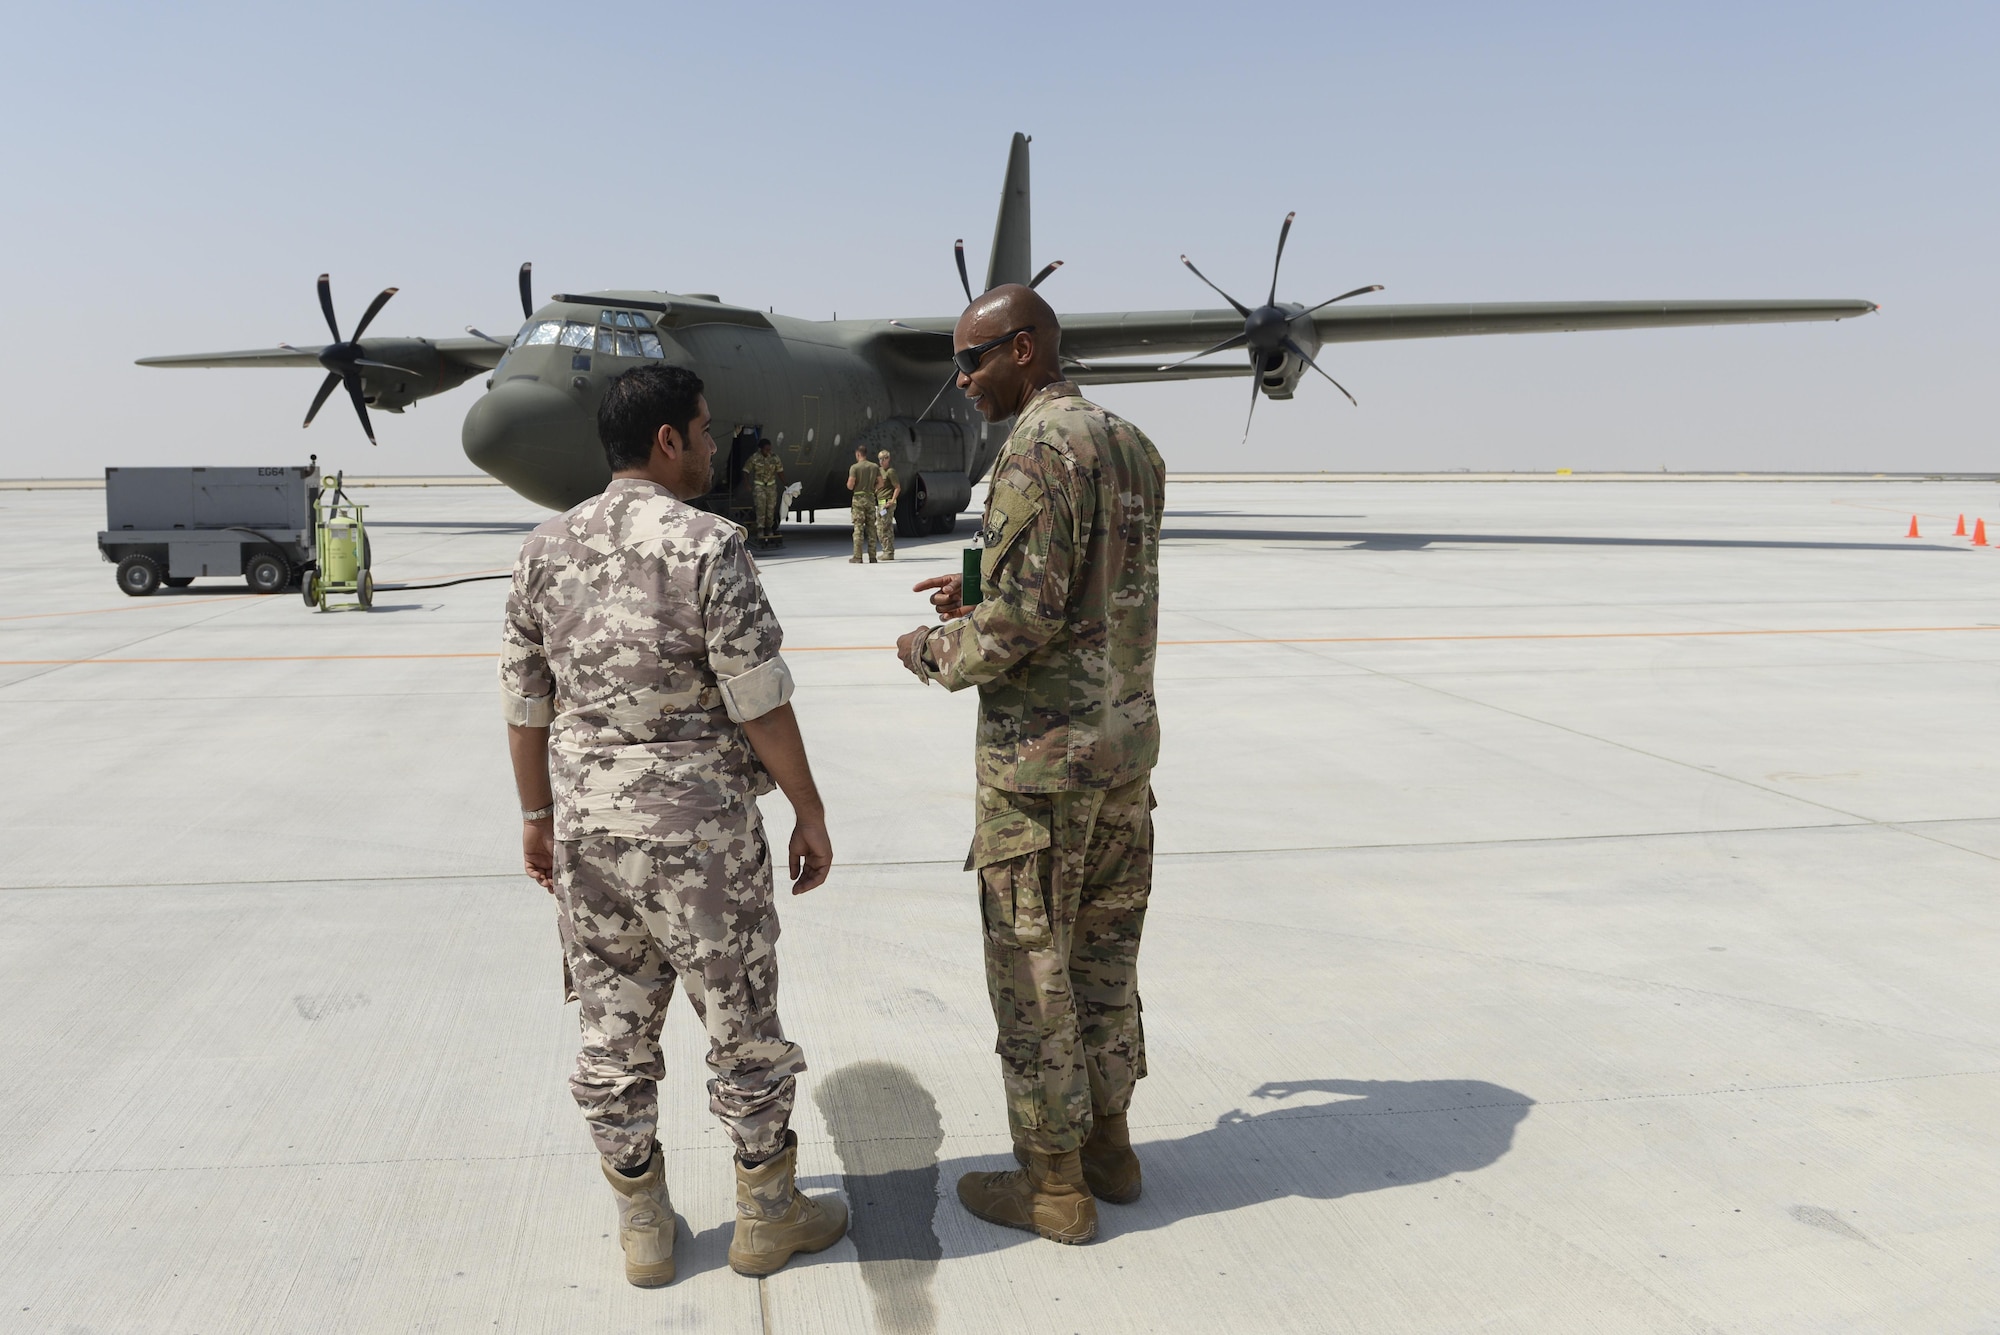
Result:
[811,856]
[950,588]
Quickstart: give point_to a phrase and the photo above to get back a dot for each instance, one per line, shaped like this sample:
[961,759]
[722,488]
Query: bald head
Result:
[1019,341]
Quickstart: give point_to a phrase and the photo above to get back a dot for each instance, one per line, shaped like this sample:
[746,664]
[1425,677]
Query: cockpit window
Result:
[535,332]
[575,334]
[649,344]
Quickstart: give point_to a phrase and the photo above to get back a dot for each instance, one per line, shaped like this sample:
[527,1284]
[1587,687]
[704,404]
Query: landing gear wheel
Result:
[944,523]
[366,590]
[267,574]
[177,581]
[138,576]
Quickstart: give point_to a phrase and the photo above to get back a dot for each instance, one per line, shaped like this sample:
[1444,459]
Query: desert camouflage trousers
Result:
[1063,884]
[638,916]
[765,496]
[865,530]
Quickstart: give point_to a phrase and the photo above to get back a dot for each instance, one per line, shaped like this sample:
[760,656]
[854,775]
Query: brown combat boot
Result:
[1047,1196]
[774,1218]
[1110,1168]
[645,1222]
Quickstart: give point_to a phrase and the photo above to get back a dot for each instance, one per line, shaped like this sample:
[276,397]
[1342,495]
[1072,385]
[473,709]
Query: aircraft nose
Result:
[537,440]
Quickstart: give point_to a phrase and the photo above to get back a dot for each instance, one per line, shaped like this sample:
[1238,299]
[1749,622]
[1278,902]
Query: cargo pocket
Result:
[1010,851]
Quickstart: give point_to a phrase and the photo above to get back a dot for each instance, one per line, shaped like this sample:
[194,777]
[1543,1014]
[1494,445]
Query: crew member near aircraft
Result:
[888,490]
[639,640]
[1060,645]
[765,470]
[863,477]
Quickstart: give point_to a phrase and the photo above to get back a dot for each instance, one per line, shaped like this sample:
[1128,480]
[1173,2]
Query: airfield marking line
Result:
[1310,1112]
[1165,644]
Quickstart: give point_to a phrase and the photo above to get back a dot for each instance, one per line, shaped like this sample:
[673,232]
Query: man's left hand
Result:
[538,852]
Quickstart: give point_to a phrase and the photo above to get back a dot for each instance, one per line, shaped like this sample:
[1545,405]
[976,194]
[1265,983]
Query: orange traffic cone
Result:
[1979,533]
[1959,532]
[1913,529]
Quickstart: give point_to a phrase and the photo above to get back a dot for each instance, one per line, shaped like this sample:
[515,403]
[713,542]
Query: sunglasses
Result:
[967,359]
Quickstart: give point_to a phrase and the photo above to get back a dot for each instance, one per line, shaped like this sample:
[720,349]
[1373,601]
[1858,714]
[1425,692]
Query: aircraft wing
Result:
[1168,334]
[470,352]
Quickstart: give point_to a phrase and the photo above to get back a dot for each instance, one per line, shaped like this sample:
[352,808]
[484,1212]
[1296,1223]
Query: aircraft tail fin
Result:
[1010,261]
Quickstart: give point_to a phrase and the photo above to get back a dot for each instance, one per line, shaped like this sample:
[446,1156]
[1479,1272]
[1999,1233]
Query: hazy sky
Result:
[176,175]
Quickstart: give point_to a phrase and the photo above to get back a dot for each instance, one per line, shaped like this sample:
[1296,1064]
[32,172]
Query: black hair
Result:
[637,404]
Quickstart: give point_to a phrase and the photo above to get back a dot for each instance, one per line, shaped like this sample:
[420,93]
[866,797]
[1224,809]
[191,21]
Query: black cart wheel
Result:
[267,574]
[309,588]
[138,575]
[177,581]
[366,591]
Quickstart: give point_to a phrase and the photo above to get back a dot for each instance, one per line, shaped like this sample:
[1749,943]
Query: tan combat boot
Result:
[1110,1168]
[774,1218]
[645,1222]
[1047,1196]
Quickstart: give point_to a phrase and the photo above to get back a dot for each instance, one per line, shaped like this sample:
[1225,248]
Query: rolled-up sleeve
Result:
[743,636]
[527,688]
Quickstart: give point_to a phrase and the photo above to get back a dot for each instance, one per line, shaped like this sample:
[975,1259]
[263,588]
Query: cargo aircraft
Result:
[818,388]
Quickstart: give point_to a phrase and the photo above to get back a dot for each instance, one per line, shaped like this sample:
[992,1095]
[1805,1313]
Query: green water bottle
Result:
[969,565]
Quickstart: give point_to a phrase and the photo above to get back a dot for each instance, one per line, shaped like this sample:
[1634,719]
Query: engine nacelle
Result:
[421,372]
[1278,371]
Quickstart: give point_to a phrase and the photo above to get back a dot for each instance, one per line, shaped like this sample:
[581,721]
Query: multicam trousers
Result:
[885,527]
[864,529]
[637,916]
[1063,884]
[765,496]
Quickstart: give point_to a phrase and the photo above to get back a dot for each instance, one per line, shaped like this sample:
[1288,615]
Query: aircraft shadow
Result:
[1418,541]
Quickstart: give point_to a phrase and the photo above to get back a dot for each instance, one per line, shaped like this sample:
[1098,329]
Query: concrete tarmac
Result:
[1576,911]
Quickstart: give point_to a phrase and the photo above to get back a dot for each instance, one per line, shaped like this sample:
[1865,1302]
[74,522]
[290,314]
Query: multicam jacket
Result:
[1061,644]
[764,469]
[638,634]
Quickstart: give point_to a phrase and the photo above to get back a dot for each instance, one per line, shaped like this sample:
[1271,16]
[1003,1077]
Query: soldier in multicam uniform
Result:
[637,636]
[1061,648]
[765,469]
[888,491]
[863,477]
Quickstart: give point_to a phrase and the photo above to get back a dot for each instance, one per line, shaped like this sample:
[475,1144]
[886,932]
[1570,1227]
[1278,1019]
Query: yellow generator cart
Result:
[340,550]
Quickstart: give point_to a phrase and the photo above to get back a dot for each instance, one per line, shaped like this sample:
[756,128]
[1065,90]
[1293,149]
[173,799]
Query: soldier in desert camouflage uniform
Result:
[765,468]
[888,490]
[863,477]
[638,640]
[1061,648]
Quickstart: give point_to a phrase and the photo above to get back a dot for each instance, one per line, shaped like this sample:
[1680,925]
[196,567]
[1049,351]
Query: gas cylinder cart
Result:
[340,550]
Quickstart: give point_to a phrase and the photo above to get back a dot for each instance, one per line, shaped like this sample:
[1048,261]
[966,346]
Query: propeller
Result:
[343,358]
[1267,330]
[527,289]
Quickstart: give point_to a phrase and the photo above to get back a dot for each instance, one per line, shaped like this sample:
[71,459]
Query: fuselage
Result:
[814,389]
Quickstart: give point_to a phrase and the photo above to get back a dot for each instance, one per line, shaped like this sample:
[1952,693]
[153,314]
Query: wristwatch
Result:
[545,813]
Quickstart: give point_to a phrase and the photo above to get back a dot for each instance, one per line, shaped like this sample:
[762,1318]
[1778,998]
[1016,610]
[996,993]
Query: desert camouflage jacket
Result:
[638,634]
[1061,644]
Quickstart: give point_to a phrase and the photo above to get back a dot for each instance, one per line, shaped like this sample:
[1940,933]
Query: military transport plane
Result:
[818,388]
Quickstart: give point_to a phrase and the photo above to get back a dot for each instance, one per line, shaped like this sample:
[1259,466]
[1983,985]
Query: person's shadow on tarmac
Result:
[1372,1134]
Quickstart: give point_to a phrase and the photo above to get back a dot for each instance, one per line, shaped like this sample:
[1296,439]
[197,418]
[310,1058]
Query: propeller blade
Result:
[481,333]
[1283,232]
[949,382]
[1241,309]
[1047,269]
[385,366]
[898,324]
[1233,341]
[375,306]
[326,305]
[319,399]
[1300,353]
[1357,292]
[1256,390]
[958,253]
[527,290]
[353,383]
